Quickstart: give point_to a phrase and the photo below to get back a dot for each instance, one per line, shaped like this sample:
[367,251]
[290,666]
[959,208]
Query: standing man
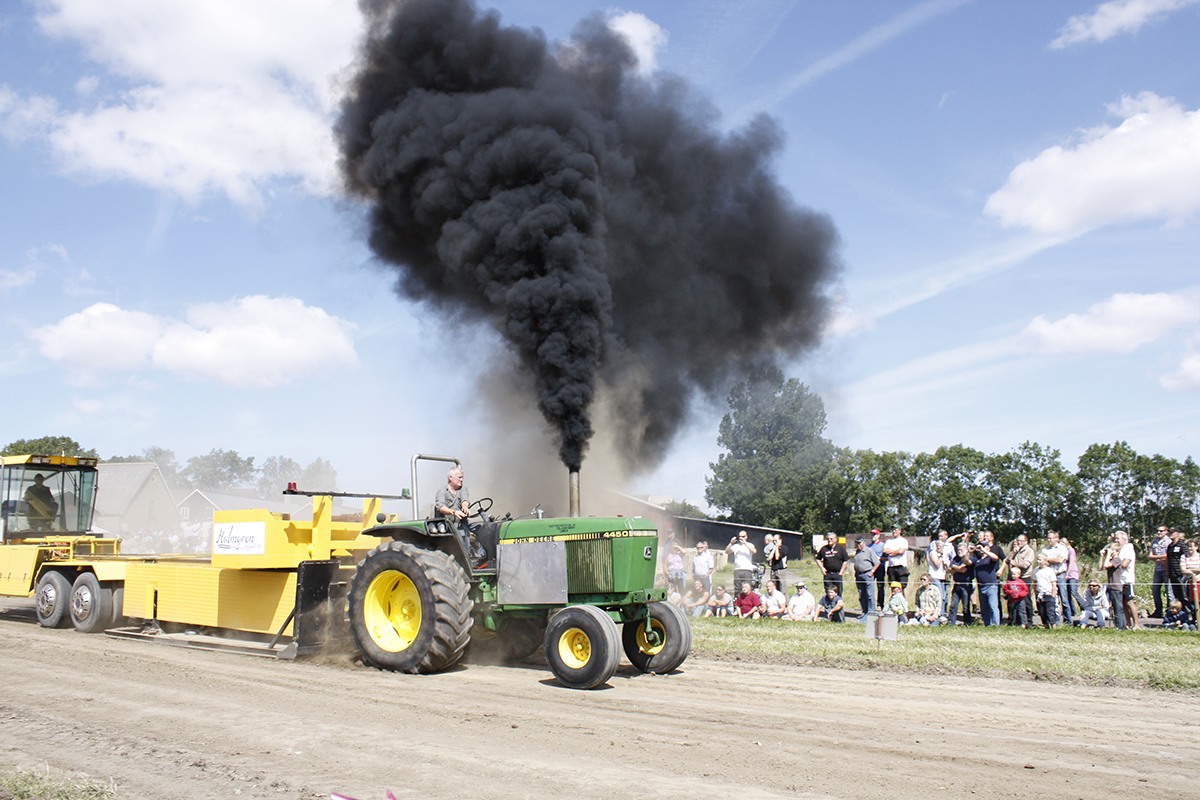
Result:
[777,562]
[1121,559]
[880,574]
[988,558]
[1056,556]
[742,552]
[1177,551]
[896,550]
[702,566]
[937,557]
[1022,555]
[865,564]
[1158,554]
[832,559]
[962,569]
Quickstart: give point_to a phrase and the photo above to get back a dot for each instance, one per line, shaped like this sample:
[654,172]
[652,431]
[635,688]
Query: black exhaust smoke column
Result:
[598,220]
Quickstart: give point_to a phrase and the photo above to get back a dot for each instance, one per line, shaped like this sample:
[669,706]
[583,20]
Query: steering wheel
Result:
[478,508]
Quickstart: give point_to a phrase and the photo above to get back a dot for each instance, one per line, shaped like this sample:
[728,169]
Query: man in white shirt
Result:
[1057,556]
[742,553]
[802,606]
[937,557]
[702,566]
[895,550]
[774,604]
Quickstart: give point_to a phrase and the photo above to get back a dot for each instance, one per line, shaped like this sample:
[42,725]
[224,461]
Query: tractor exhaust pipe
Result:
[573,492]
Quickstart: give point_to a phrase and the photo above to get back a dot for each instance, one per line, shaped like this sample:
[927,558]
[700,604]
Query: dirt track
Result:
[166,722]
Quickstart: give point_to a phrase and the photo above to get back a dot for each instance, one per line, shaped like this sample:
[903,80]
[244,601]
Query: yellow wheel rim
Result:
[643,642]
[392,611]
[575,648]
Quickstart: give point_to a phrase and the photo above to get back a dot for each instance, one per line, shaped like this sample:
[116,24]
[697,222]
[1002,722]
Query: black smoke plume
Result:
[598,219]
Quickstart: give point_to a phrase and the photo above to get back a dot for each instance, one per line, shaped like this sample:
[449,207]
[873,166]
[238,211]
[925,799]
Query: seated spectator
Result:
[802,606]
[1045,581]
[830,606]
[929,602]
[896,604]
[1177,618]
[1095,607]
[1016,591]
[746,605]
[696,600]
[774,604]
[720,604]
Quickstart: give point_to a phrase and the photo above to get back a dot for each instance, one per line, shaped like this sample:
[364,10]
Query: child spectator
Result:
[1015,591]
[720,604]
[896,604]
[1045,581]
[831,606]
[747,603]
[1177,618]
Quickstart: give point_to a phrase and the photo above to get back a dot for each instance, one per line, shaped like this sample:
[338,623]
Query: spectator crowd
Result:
[968,576]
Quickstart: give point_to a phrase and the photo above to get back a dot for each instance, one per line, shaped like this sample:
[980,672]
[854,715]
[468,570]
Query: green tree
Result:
[683,508]
[221,470]
[775,452]
[951,492]
[276,473]
[47,446]
[319,476]
[1030,490]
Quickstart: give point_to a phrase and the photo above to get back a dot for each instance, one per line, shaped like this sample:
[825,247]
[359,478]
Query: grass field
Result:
[34,786]
[1162,659]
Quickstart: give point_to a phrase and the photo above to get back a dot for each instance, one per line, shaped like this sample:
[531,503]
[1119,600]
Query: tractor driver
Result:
[42,505]
[452,503]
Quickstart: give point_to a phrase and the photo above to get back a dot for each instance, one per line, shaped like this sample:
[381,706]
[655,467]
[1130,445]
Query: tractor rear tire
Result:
[91,604]
[410,610]
[582,647]
[669,650]
[52,599]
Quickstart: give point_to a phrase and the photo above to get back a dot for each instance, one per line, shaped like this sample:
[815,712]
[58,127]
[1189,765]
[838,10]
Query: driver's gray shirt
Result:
[450,499]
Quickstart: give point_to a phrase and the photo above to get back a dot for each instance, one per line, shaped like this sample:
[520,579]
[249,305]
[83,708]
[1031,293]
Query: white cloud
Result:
[226,96]
[1110,19]
[1187,377]
[1121,324]
[644,36]
[253,341]
[1146,168]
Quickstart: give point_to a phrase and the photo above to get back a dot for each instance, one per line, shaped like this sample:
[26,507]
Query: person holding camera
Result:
[742,553]
[988,557]
[962,569]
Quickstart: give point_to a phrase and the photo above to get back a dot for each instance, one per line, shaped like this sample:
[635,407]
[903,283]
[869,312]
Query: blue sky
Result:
[1016,186]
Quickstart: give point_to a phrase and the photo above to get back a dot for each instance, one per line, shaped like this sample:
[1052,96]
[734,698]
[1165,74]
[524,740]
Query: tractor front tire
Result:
[410,610]
[667,645]
[582,647]
[91,604]
[52,599]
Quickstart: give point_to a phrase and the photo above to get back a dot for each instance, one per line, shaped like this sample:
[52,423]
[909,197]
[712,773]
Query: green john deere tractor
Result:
[583,586]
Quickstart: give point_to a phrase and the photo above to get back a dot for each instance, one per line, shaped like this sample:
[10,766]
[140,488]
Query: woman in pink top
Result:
[1072,579]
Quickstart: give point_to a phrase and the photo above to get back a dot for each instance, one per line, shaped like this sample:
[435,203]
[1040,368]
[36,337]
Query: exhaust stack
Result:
[573,492]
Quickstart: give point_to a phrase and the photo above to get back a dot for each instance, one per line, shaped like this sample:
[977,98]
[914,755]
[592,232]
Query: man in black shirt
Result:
[832,559]
[1176,552]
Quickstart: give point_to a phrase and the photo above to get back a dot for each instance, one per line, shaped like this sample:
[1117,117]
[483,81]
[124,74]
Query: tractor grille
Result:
[590,566]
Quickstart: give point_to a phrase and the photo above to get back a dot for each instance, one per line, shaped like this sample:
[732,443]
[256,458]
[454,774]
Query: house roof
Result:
[119,484]
[224,501]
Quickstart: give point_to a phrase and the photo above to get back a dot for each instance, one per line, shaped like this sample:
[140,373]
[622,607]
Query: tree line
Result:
[777,470]
[218,470]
